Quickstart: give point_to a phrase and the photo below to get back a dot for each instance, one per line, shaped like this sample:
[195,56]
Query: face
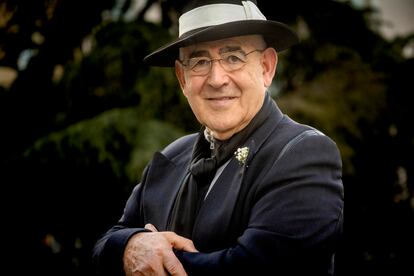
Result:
[225,101]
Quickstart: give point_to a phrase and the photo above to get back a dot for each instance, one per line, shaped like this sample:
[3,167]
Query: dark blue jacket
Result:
[281,213]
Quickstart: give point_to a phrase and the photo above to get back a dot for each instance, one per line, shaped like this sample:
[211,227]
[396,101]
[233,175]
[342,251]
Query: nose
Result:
[217,75]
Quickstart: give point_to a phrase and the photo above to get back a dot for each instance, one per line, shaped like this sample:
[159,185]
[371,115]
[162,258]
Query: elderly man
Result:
[254,191]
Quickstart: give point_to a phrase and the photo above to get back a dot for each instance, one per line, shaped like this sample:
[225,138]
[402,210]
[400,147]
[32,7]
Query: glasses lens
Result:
[233,60]
[199,64]
[230,61]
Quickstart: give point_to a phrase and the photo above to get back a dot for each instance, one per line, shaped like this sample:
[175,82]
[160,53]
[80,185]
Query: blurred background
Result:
[80,116]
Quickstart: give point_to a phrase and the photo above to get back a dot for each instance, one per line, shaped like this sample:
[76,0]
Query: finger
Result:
[179,242]
[173,265]
[151,227]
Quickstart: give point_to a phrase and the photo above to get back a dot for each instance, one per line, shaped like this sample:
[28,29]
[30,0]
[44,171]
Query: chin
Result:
[220,129]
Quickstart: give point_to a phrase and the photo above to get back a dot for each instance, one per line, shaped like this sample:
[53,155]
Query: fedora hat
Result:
[213,20]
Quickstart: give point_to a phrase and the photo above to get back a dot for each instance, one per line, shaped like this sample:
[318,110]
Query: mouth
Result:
[221,98]
[221,103]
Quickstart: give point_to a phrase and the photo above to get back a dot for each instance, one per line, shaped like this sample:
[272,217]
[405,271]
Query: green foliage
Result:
[161,97]
[342,99]
[105,77]
[113,75]
[118,138]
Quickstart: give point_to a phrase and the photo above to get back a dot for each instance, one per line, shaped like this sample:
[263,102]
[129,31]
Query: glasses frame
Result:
[185,63]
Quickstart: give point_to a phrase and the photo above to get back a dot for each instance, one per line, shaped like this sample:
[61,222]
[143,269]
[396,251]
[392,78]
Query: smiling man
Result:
[253,191]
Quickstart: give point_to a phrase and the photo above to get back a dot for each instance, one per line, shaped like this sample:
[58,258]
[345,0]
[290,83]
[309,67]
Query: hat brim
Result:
[276,35]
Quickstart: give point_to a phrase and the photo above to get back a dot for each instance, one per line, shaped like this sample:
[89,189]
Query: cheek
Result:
[193,98]
[197,108]
[191,87]
[253,77]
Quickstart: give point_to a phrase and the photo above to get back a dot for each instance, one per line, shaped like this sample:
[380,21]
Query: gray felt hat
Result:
[212,20]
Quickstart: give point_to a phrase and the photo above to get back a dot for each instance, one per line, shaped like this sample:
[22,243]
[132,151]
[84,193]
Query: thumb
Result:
[180,243]
[150,227]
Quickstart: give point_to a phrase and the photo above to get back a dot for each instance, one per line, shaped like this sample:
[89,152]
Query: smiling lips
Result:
[221,100]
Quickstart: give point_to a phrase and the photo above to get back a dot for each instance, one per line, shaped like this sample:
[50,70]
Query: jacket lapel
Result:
[219,206]
[217,209]
[162,185]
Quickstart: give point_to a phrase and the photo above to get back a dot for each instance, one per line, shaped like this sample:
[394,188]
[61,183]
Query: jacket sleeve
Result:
[295,218]
[108,251]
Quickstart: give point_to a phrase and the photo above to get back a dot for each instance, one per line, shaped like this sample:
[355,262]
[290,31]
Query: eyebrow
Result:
[204,53]
[230,49]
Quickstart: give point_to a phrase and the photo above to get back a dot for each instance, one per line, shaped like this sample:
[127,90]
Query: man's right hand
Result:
[151,253]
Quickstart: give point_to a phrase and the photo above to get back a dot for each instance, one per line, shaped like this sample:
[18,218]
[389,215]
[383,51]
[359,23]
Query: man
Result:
[254,192]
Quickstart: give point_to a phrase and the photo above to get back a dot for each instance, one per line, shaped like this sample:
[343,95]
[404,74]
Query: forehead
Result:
[233,42]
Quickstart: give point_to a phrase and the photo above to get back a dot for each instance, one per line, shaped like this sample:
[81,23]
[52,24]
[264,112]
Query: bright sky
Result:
[398,15]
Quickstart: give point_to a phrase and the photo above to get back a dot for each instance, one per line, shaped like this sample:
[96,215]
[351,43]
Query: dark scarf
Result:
[207,157]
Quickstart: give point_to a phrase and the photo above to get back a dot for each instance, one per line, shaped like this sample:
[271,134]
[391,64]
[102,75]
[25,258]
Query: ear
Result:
[179,72]
[269,64]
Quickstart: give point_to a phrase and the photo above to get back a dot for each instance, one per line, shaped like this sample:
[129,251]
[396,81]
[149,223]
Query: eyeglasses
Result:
[230,61]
